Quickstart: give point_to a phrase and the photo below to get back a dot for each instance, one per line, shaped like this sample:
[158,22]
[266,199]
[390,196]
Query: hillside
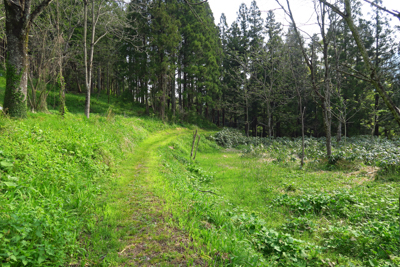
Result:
[117,190]
[63,188]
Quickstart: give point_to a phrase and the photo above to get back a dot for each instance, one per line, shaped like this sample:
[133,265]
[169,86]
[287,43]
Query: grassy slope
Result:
[52,173]
[109,191]
[78,191]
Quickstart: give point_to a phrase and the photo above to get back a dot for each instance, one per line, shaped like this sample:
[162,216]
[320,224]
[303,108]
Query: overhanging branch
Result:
[394,12]
[39,9]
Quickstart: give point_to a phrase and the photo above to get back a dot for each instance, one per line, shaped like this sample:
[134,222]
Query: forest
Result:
[171,57]
[142,133]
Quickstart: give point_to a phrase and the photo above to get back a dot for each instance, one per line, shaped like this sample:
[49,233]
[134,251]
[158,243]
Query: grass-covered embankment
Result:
[77,191]
[53,172]
[254,206]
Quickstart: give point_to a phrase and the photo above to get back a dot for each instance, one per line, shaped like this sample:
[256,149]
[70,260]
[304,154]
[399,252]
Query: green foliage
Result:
[333,204]
[199,175]
[332,216]
[52,173]
[281,248]
[299,225]
[227,229]
[229,138]
[374,151]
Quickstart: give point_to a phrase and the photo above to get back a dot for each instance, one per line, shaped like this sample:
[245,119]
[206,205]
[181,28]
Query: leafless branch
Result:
[334,8]
[393,12]
[202,2]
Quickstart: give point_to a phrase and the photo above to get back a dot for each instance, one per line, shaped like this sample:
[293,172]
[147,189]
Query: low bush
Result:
[333,204]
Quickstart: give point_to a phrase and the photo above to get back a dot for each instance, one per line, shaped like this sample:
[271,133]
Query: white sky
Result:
[302,11]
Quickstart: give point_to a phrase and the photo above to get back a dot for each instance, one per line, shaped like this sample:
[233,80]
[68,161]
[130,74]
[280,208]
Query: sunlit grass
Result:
[348,210]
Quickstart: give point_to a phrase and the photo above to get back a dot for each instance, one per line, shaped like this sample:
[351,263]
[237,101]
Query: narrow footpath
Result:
[150,238]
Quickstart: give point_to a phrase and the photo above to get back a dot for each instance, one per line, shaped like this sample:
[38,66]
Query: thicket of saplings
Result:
[346,226]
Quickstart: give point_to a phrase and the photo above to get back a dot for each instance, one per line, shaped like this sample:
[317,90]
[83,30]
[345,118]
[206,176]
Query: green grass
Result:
[143,231]
[52,172]
[254,182]
[267,211]
[282,215]
[69,187]
[117,189]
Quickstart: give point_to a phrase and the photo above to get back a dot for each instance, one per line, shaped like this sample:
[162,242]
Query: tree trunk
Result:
[60,78]
[376,116]
[269,119]
[223,117]
[163,88]
[17,63]
[87,79]
[173,98]
[373,75]
[302,135]
[18,23]
[98,81]
[88,64]
[339,132]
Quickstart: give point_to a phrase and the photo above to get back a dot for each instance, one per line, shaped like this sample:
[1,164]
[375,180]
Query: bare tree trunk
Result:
[325,99]
[60,78]
[163,88]
[98,81]
[269,119]
[87,81]
[180,90]
[173,98]
[327,94]
[223,117]
[197,146]
[302,135]
[339,131]
[146,98]
[194,139]
[374,77]
[88,64]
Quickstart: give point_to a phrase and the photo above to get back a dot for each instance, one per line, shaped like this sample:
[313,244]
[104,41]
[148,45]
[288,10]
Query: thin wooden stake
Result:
[194,140]
[197,146]
[302,136]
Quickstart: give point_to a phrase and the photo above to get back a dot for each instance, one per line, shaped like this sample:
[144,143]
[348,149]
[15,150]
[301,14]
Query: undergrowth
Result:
[330,226]
[368,150]
[52,173]
[236,237]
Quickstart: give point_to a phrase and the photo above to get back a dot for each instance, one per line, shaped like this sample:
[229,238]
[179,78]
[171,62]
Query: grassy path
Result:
[145,233]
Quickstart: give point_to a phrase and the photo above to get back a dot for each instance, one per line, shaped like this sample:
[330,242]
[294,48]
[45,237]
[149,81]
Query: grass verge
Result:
[53,172]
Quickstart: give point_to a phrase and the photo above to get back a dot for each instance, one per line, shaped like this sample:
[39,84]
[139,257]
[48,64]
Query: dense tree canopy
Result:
[253,74]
